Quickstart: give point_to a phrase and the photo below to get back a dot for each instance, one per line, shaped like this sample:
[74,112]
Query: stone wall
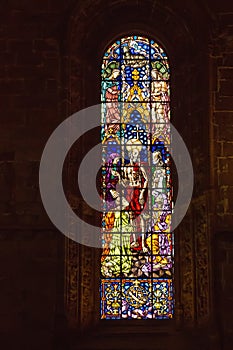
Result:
[35,98]
[221,94]
[30,86]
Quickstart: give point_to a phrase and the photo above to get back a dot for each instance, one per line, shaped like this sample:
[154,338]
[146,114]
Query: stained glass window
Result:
[138,246]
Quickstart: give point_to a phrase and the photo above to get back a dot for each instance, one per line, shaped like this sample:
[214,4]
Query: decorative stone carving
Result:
[87,286]
[186,267]
[72,281]
[201,238]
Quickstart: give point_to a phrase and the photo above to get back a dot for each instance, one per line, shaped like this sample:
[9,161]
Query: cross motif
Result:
[138,131]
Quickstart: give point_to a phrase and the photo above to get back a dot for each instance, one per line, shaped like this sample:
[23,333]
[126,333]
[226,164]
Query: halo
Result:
[134,143]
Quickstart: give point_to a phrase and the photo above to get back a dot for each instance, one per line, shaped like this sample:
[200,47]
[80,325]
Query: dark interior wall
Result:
[33,41]
[221,102]
[30,82]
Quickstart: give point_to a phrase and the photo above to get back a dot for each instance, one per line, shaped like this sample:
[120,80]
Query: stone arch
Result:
[92,27]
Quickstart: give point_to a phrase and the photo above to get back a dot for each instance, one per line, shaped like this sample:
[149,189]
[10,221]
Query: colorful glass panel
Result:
[137,262]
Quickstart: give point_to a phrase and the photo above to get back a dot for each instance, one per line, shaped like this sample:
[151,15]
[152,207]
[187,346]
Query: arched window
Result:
[138,249]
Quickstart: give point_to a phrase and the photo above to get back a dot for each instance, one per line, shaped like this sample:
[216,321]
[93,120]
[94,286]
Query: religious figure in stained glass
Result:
[138,245]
